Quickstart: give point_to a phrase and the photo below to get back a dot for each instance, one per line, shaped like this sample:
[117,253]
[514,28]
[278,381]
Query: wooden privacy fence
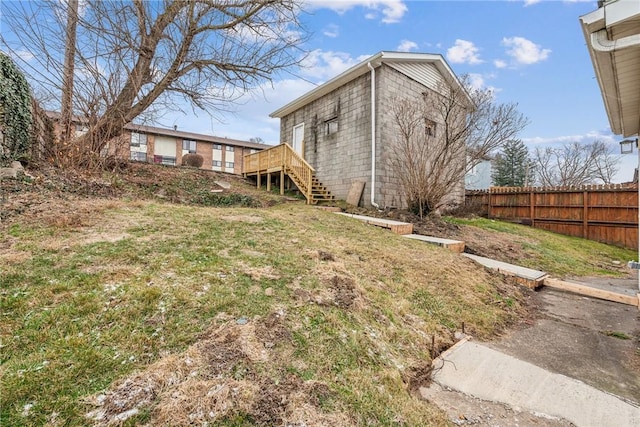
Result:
[604,213]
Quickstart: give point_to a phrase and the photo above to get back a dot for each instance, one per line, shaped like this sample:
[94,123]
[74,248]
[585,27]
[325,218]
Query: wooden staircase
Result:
[284,160]
[319,193]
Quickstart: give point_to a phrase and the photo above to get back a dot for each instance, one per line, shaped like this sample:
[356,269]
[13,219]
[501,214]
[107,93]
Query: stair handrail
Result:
[299,170]
[289,160]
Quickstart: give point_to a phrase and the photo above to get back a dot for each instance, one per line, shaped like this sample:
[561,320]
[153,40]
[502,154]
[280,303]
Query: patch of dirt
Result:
[225,373]
[417,376]
[344,291]
[272,330]
[325,256]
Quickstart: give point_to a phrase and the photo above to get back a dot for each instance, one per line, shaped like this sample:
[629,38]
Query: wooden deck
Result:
[283,160]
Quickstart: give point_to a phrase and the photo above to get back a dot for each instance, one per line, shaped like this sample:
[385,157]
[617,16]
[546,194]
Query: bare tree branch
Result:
[134,56]
[436,133]
[575,164]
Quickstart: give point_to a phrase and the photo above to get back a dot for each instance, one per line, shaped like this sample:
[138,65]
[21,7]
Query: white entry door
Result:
[298,139]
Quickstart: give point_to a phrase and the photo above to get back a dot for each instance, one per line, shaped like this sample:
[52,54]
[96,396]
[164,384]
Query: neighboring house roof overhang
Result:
[132,127]
[405,62]
[612,34]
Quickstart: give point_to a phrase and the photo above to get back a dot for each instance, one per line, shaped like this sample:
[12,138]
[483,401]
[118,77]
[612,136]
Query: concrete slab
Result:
[529,277]
[480,371]
[453,245]
[592,340]
[396,227]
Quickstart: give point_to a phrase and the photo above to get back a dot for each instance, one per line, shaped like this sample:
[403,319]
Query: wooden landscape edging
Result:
[592,292]
[604,213]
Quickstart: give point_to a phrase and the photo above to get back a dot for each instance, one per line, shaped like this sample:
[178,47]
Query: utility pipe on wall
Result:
[373,135]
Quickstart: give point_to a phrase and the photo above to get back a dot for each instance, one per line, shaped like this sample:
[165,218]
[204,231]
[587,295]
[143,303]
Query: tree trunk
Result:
[66,110]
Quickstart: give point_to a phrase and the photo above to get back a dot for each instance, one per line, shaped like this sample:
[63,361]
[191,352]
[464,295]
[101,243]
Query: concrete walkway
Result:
[480,371]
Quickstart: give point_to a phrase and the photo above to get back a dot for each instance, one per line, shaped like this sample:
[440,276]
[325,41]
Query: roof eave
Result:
[360,69]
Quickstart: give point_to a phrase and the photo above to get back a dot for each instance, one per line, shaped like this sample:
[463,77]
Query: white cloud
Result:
[322,65]
[479,82]
[331,30]
[531,2]
[476,81]
[23,54]
[463,52]
[588,137]
[524,51]
[392,10]
[499,63]
[407,46]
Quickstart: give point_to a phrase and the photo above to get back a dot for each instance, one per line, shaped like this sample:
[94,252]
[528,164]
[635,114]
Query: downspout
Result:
[373,136]
[600,42]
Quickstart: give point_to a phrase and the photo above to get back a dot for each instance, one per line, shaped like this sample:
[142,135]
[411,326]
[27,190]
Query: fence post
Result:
[489,213]
[585,213]
[532,208]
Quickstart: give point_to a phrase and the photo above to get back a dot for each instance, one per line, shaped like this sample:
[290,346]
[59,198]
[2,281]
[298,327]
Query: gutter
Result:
[601,43]
[373,135]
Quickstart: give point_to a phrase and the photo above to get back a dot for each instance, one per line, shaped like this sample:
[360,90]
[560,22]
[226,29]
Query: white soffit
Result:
[612,34]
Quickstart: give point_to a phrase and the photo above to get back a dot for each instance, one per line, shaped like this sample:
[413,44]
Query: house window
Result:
[429,127]
[331,126]
[138,156]
[229,148]
[189,145]
[138,139]
[217,147]
[230,165]
[217,163]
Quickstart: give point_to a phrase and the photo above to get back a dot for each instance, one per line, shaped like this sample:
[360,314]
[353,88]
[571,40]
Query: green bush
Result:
[191,159]
[15,112]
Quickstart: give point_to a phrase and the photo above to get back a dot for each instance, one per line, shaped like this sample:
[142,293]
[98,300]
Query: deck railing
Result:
[282,158]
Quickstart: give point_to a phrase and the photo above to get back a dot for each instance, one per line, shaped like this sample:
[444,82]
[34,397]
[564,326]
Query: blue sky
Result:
[530,52]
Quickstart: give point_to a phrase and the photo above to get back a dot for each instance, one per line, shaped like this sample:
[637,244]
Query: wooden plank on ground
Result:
[453,245]
[396,227]
[355,192]
[591,292]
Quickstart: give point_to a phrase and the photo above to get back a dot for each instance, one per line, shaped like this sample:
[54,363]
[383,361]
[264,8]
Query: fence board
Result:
[605,213]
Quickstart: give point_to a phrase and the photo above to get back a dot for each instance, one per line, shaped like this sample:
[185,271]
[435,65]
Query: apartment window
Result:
[229,164]
[189,145]
[217,147]
[138,156]
[229,148]
[429,127]
[138,139]
[165,160]
[217,163]
[331,126]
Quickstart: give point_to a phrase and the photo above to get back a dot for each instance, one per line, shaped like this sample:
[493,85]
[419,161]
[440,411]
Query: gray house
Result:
[343,128]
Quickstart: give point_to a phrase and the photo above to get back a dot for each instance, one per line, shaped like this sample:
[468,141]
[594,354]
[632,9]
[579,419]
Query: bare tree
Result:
[132,56]
[575,164]
[445,134]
